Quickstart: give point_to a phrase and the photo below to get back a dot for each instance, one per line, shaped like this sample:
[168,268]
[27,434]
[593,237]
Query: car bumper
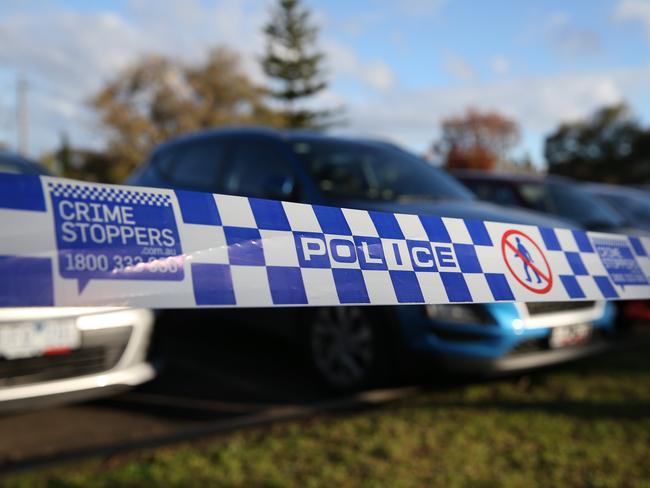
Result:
[520,362]
[112,356]
[74,389]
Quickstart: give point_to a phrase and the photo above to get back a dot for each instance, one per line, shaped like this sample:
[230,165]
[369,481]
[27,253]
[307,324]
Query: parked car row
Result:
[348,347]
[597,207]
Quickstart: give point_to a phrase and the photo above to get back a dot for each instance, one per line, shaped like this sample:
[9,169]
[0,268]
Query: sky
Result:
[397,67]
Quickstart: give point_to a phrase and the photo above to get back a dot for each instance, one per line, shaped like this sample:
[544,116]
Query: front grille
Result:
[100,351]
[530,345]
[541,308]
[537,345]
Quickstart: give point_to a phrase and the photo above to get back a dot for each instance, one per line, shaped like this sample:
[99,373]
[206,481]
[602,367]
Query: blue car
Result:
[14,163]
[352,347]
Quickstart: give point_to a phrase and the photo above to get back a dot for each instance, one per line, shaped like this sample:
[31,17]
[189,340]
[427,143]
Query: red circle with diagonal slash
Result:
[547,277]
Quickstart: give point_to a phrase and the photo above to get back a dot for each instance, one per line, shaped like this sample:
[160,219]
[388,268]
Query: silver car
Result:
[59,355]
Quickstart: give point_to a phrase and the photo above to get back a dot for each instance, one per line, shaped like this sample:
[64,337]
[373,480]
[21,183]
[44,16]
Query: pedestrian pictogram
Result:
[526,261]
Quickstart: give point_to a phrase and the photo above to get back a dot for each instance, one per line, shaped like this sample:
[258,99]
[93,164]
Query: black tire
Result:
[348,348]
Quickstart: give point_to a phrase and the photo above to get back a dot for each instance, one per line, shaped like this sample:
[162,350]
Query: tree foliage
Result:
[609,146]
[476,140]
[295,65]
[159,98]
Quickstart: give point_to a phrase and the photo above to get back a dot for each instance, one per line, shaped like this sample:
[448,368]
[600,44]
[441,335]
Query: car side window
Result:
[536,196]
[195,165]
[503,195]
[164,161]
[257,168]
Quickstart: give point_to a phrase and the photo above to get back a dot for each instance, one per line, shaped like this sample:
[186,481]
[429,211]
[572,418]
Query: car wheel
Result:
[346,348]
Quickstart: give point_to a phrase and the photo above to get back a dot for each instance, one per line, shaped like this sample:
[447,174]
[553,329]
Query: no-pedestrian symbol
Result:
[526,261]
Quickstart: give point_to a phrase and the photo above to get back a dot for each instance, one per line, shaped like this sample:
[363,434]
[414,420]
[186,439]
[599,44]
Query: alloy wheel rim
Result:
[342,345]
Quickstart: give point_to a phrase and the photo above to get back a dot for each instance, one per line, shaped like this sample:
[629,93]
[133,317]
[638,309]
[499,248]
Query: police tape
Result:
[69,243]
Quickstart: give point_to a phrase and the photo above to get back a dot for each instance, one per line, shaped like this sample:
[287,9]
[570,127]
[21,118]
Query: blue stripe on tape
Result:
[198,208]
[605,286]
[638,246]
[582,241]
[407,288]
[26,282]
[212,284]
[571,286]
[456,287]
[332,220]
[577,266]
[478,232]
[550,239]
[386,225]
[269,214]
[244,246]
[499,286]
[350,286]
[467,258]
[287,287]
[21,192]
[435,229]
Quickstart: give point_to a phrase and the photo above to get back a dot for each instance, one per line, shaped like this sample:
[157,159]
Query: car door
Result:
[260,167]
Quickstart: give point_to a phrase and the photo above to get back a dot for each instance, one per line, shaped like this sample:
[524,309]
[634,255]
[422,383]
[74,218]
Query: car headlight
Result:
[462,314]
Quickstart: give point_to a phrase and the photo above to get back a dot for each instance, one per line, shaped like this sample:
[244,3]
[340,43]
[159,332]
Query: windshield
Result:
[572,202]
[351,170]
[636,207]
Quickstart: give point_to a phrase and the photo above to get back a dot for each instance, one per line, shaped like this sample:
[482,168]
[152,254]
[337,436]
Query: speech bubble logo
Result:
[618,259]
[108,233]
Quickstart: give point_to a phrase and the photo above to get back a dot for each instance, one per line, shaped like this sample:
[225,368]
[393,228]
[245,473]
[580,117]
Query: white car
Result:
[58,355]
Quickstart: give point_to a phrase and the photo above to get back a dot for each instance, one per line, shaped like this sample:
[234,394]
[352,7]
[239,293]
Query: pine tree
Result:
[295,65]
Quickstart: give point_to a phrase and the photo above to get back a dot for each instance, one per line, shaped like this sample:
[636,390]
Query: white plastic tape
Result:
[74,243]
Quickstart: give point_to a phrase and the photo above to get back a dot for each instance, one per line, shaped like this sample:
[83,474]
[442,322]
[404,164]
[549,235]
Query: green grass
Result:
[583,425]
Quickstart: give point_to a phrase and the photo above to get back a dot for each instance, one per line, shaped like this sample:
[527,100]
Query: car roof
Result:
[269,132]
[21,163]
[505,176]
[607,189]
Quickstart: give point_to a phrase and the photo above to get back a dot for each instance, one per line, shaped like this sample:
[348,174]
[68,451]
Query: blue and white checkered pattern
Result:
[264,263]
[247,252]
[259,260]
[104,193]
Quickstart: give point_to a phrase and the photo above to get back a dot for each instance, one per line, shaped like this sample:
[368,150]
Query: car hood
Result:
[44,313]
[463,209]
[630,231]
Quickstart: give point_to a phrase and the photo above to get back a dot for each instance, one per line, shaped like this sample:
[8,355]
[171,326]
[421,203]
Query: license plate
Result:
[32,339]
[570,335]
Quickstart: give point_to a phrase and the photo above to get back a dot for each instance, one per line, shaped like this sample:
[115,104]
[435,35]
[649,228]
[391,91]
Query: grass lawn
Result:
[587,424]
